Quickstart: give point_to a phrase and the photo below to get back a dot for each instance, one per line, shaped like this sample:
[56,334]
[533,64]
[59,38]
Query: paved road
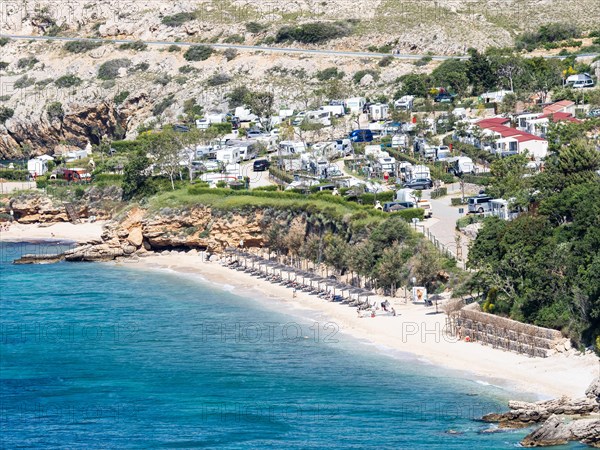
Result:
[262,48]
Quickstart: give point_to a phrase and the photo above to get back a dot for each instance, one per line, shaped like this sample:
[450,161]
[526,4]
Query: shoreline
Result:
[415,331]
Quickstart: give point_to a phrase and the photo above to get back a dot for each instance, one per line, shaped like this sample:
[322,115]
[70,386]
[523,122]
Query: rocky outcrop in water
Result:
[563,419]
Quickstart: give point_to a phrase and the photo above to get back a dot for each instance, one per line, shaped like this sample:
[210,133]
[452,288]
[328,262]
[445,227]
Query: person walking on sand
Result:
[294,293]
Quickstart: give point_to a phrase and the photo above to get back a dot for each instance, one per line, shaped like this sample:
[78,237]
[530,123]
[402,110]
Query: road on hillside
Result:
[264,48]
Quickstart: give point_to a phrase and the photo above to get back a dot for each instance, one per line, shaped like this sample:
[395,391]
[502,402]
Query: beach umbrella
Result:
[436,298]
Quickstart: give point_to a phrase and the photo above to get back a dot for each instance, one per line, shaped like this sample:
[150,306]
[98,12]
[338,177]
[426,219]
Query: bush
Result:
[187,69]
[313,33]
[24,82]
[141,67]
[235,39]
[409,214]
[137,46]
[230,54]
[439,192]
[161,106]
[55,110]
[14,174]
[110,69]
[121,97]
[458,201]
[331,73]
[361,74]
[198,53]
[174,48]
[27,63]
[255,27]
[6,113]
[218,79]
[163,79]
[3,65]
[481,180]
[423,61]
[4,41]
[384,62]
[81,46]
[281,175]
[105,179]
[43,83]
[178,19]
[67,81]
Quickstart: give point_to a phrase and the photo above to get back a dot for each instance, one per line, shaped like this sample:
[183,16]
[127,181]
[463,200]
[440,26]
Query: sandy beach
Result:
[416,329]
[81,232]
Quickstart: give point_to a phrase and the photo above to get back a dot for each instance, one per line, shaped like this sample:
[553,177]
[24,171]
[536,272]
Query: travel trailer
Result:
[405,102]
[461,165]
[400,141]
[228,155]
[247,149]
[291,148]
[336,110]
[356,104]
[378,111]
[37,167]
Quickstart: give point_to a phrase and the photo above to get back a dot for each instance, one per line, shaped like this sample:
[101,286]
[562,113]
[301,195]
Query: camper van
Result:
[400,141]
[443,152]
[479,204]
[336,110]
[291,148]
[345,146]
[461,165]
[387,164]
[427,151]
[321,117]
[37,167]
[378,111]
[580,80]
[405,102]
[228,155]
[356,104]
[247,149]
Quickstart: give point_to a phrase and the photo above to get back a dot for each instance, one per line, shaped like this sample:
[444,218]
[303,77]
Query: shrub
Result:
[27,63]
[230,54]
[457,201]
[386,61]
[110,69]
[235,39]
[137,46]
[439,192]
[313,33]
[55,110]
[161,106]
[14,174]
[3,65]
[43,83]
[121,97]
[24,82]
[141,67]
[67,81]
[178,19]
[409,214]
[361,74]
[174,48]
[331,73]
[198,53]
[5,113]
[423,61]
[105,179]
[218,79]
[163,79]
[187,69]
[4,41]
[5,98]
[81,46]
[255,27]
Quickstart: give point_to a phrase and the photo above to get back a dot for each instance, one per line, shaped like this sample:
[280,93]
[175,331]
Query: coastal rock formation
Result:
[100,202]
[563,419]
[560,430]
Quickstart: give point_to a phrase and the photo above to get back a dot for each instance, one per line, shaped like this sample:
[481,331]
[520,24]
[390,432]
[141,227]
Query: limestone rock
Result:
[135,237]
[560,430]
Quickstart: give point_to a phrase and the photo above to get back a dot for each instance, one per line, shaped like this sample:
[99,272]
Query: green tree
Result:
[135,176]
[413,84]
[480,73]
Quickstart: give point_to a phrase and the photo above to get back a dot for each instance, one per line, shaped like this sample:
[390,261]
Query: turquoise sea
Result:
[105,356]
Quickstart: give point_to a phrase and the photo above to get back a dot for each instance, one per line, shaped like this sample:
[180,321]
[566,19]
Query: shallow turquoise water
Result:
[101,356]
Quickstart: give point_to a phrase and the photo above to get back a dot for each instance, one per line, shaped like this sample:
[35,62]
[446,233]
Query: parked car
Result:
[479,204]
[426,206]
[397,206]
[361,136]
[419,183]
[594,113]
[443,97]
[253,134]
[260,165]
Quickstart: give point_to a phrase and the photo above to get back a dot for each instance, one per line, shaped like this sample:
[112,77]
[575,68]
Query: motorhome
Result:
[443,152]
[405,195]
[291,148]
[37,167]
[206,151]
[247,149]
[500,208]
[387,164]
[336,110]
[400,141]
[228,155]
[405,102]
[427,151]
[378,111]
[404,170]
[321,117]
[479,204]
[245,114]
[356,104]
[580,80]
[345,146]
[460,165]
[419,172]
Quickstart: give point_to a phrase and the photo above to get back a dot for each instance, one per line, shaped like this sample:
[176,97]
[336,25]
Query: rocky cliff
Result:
[563,419]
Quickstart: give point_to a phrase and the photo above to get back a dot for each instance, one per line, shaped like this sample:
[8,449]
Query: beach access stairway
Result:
[72,212]
[472,324]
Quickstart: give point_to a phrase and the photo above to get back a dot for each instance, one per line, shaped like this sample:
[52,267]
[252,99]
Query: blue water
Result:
[106,356]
